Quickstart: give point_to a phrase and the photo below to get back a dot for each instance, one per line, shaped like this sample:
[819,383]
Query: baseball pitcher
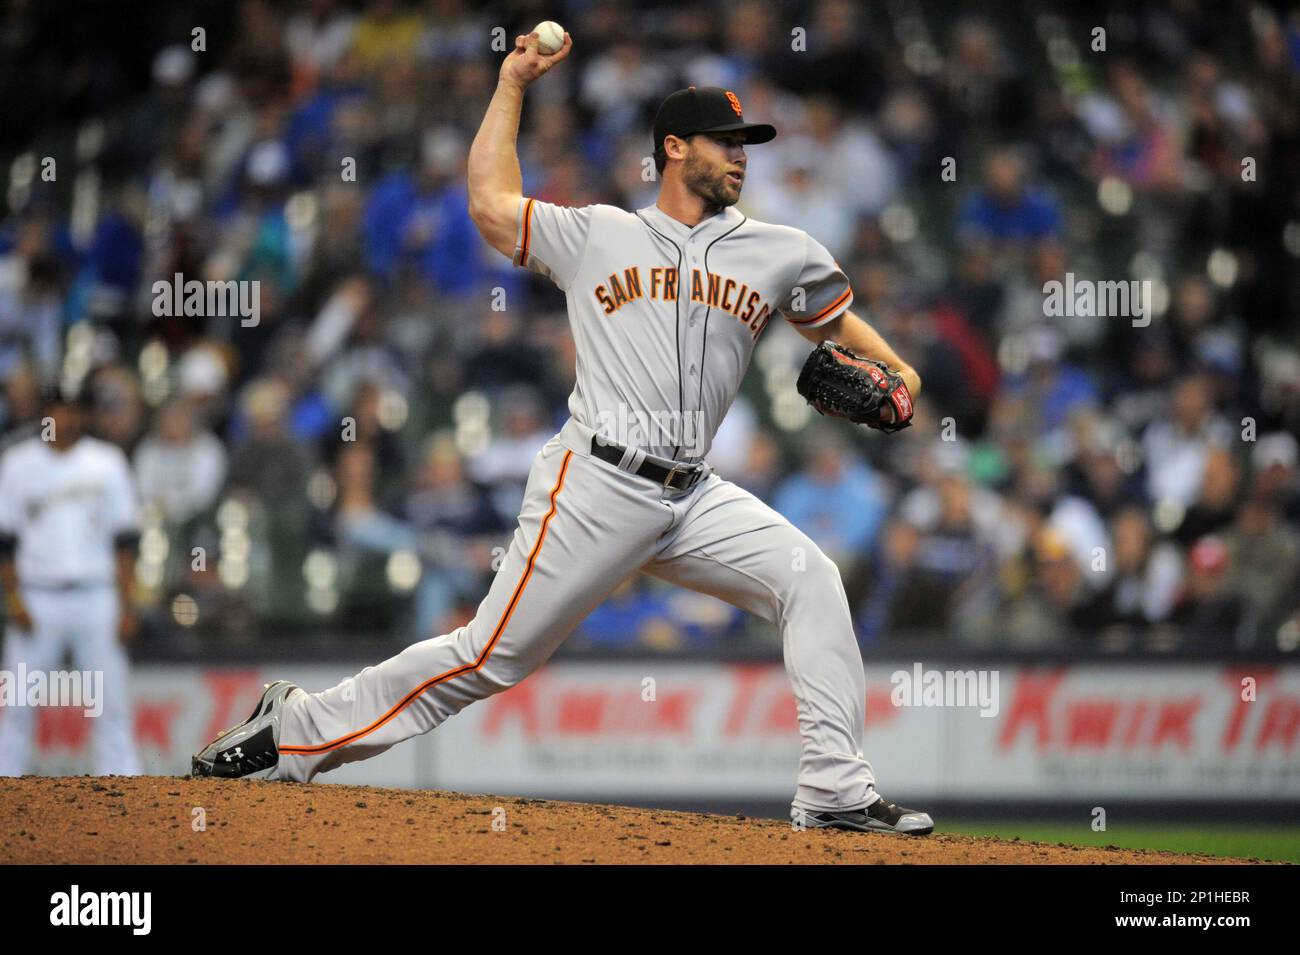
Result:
[665,305]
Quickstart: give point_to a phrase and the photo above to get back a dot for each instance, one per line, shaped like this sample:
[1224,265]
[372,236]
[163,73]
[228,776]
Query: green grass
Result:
[1274,842]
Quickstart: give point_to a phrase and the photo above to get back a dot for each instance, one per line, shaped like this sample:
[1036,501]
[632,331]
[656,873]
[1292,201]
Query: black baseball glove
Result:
[837,382]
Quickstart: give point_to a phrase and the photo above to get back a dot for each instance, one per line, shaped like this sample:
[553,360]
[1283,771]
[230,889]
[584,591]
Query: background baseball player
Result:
[68,531]
[665,305]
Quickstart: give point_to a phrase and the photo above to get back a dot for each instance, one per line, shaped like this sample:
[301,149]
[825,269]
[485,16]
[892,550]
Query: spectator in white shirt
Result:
[1176,449]
[180,467]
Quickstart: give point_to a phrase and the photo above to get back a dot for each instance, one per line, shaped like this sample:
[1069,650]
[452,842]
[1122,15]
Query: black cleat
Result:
[249,751]
[880,816]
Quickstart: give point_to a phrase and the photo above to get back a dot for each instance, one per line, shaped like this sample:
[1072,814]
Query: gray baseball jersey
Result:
[664,317]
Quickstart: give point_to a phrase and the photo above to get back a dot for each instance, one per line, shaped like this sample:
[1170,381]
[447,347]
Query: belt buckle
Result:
[692,471]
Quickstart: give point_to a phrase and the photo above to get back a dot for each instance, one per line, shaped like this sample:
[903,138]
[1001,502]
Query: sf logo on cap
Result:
[734,100]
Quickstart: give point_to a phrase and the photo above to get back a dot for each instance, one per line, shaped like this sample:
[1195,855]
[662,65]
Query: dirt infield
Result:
[152,819]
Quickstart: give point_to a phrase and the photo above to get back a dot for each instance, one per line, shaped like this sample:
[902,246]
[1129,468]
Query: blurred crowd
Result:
[354,461]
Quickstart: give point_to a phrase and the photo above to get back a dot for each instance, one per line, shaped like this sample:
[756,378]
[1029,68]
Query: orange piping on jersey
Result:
[466,668]
[528,233]
[838,303]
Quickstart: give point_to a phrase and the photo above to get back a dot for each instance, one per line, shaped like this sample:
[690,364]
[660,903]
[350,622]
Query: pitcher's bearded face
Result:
[714,168]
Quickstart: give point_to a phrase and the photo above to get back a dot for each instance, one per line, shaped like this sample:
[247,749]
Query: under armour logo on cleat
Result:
[237,752]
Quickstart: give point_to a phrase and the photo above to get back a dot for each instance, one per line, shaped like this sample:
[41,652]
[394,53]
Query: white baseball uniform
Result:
[66,510]
[665,318]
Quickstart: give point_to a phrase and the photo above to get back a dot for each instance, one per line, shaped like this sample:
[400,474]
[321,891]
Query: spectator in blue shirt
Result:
[836,499]
[420,218]
[1006,209]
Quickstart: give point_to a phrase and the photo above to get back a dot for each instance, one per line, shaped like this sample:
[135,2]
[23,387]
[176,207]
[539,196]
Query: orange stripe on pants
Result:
[458,671]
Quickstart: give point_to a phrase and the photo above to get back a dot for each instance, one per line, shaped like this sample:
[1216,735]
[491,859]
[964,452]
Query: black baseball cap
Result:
[706,109]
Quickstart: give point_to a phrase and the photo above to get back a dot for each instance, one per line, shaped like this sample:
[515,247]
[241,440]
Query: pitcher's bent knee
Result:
[505,669]
[814,582]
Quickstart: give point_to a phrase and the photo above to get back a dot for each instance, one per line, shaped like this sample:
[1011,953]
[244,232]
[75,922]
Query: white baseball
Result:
[550,37]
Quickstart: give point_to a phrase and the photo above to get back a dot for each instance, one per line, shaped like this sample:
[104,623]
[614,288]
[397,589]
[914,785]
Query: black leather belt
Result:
[681,477]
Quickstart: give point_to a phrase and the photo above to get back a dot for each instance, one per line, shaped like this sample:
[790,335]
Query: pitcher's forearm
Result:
[860,337]
[493,158]
[495,183]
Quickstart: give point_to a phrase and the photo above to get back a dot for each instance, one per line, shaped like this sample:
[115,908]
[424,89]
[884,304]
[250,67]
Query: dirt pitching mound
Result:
[166,819]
